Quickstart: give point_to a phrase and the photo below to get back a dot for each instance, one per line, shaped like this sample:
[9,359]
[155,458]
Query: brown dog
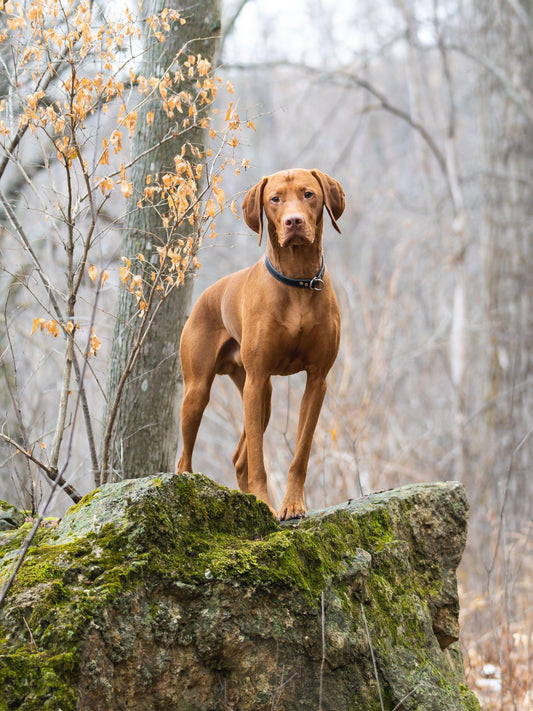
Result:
[277,317]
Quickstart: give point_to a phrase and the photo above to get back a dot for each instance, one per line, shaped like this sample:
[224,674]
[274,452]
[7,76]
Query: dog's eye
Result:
[308,194]
[274,198]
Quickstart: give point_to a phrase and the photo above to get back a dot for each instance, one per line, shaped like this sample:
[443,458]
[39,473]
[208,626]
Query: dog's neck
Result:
[296,261]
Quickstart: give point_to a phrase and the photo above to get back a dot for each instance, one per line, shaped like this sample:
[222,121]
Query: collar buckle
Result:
[316,283]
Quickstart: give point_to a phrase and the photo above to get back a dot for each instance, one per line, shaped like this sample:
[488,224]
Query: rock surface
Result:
[10,518]
[175,593]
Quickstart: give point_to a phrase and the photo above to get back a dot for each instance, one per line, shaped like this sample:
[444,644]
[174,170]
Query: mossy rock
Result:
[175,593]
[10,517]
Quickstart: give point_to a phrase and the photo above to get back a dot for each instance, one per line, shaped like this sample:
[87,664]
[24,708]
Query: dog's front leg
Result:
[256,397]
[293,505]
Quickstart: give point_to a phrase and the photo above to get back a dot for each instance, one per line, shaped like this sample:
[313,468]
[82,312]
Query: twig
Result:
[32,639]
[279,690]
[373,657]
[323,661]
[71,300]
[406,697]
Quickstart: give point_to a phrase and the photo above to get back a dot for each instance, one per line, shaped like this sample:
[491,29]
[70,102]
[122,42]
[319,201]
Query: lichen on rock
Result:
[173,592]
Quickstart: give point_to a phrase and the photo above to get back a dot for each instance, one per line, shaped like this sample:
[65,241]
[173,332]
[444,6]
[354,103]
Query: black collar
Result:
[316,283]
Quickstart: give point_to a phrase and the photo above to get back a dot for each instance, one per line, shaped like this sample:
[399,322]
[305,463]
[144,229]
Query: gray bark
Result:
[145,436]
[507,243]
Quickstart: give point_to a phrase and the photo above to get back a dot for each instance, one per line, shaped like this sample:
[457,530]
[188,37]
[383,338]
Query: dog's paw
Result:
[291,509]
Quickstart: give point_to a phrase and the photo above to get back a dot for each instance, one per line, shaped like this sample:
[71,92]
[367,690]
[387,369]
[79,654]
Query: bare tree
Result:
[505,69]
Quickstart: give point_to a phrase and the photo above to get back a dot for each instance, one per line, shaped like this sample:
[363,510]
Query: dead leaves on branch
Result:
[52,328]
[50,28]
[69,65]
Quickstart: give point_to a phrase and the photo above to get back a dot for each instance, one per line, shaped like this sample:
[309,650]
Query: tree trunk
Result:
[507,125]
[145,435]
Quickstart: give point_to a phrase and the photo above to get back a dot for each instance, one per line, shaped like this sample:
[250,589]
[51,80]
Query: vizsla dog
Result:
[278,317]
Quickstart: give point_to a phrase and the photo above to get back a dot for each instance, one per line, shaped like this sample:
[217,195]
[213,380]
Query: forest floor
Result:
[498,652]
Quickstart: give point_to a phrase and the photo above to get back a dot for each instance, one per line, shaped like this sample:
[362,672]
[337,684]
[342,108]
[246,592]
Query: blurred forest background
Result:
[423,110]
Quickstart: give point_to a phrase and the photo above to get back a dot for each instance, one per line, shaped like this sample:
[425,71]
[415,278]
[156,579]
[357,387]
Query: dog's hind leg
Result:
[198,369]
[240,456]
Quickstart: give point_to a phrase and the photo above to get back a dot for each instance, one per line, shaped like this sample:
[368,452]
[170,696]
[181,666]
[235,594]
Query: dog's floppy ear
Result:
[252,207]
[333,196]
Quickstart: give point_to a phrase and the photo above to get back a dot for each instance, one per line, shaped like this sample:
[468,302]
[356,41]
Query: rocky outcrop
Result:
[174,593]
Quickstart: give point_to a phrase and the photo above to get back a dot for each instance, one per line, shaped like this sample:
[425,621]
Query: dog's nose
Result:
[292,222]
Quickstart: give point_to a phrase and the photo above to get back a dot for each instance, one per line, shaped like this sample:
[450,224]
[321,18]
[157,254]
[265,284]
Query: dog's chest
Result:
[299,336]
[297,327]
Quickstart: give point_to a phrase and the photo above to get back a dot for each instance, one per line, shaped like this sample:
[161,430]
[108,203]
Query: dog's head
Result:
[293,201]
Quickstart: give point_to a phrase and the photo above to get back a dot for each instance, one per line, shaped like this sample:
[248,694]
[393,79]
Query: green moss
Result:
[468,699]
[78,578]
[32,681]
[292,558]
[179,534]
[33,573]
[84,501]
[376,530]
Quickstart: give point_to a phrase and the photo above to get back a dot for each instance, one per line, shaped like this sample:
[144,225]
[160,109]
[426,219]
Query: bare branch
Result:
[347,77]
[53,475]
[228,28]
[62,321]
